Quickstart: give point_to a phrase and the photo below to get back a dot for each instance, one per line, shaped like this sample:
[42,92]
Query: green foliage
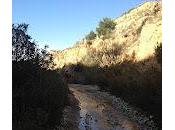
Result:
[91,36]
[105,27]
[22,46]
[24,49]
[158,53]
[38,93]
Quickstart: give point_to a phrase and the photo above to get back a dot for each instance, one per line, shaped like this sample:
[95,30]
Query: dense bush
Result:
[158,53]
[139,88]
[91,36]
[39,94]
[105,27]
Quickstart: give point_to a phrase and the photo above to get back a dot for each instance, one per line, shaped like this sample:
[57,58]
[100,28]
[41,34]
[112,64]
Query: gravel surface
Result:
[92,109]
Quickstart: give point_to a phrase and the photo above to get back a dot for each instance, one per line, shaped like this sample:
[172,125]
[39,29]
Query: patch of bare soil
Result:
[92,109]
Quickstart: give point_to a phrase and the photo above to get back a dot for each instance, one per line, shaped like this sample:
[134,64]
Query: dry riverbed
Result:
[92,109]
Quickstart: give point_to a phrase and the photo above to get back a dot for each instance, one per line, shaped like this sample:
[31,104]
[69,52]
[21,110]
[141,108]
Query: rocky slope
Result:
[124,62]
[135,37]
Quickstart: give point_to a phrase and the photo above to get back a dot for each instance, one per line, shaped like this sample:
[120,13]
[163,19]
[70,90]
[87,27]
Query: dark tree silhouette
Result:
[158,53]
[39,94]
[91,35]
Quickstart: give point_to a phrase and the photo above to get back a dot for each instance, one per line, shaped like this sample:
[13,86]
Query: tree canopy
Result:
[105,26]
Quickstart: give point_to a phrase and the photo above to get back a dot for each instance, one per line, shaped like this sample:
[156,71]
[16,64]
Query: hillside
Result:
[126,61]
[136,34]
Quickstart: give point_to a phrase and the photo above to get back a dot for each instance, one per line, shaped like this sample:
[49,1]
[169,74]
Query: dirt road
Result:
[97,110]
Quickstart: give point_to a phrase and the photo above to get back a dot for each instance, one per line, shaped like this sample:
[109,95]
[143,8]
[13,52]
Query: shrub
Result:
[105,27]
[91,36]
[140,88]
[158,53]
[38,93]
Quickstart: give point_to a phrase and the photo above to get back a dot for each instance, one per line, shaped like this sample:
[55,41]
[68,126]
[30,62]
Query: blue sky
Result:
[60,23]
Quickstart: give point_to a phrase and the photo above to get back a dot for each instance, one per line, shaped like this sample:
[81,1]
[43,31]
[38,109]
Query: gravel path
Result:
[92,109]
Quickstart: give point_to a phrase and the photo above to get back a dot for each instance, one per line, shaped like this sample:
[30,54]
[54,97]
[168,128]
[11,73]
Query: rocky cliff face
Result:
[135,37]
